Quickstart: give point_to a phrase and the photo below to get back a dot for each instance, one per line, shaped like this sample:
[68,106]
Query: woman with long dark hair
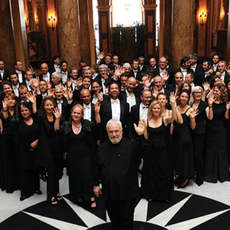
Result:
[27,133]
[183,140]
[216,164]
[49,152]
[79,151]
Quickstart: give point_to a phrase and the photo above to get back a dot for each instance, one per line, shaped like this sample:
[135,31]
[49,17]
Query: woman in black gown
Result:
[49,152]
[198,134]
[27,132]
[78,150]
[162,98]
[216,164]
[227,123]
[9,179]
[183,141]
[156,172]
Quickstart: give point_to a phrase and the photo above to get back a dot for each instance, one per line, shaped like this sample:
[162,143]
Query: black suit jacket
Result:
[134,118]
[23,77]
[170,71]
[123,97]
[41,77]
[138,75]
[65,108]
[172,88]
[6,75]
[106,114]
[144,69]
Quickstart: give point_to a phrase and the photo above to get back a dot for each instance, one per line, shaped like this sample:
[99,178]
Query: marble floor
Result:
[204,207]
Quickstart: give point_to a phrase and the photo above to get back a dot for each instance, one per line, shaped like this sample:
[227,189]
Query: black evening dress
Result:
[79,160]
[184,149]
[216,165]
[9,179]
[156,172]
[29,175]
[198,139]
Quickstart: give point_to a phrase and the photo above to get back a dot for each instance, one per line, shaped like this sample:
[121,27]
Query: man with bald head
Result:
[162,70]
[178,80]
[128,94]
[85,97]
[45,73]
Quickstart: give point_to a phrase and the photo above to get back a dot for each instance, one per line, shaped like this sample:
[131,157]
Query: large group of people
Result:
[109,122]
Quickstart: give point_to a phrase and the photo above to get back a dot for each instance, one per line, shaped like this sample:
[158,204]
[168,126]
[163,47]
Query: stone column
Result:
[19,31]
[104,25]
[167,28]
[150,25]
[228,37]
[182,30]
[6,36]
[69,32]
[84,27]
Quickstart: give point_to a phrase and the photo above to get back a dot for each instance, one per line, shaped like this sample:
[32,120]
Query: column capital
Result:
[103,8]
[150,6]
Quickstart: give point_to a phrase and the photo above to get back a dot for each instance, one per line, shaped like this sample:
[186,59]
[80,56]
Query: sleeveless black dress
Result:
[79,166]
[216,164]
[184,149]
[156,173]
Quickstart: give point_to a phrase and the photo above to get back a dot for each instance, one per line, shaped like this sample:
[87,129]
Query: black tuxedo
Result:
[23,77]
[172,88]
[203,79]
[138,75]
[123,97]
[226,76]
[41,77]
[68,77]
[6,75]
[144,69]
[198,75]
[106,114]
[65,108]
[156,72]
[134,118]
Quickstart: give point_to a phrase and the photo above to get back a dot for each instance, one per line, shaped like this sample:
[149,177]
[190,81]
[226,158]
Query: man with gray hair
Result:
[197,70]
[87,71]
[116,165]
[56,79]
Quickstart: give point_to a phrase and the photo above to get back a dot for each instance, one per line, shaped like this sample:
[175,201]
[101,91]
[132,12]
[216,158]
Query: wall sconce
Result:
[203,17]
[52,21]
[27,21]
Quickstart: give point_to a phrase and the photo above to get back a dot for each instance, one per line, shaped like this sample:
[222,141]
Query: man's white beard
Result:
[115,140]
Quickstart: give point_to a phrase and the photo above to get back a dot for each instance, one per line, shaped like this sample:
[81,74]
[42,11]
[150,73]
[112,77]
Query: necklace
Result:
[78,127]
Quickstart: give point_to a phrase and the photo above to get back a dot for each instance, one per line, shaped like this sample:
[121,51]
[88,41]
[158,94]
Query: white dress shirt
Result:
[2,73]
[20,77]
[15,89]
[87,111]
[131,99]
[215,67]
[143,111]
[28,84]
[162,71]
[184,72]
[64,77]
[115,108]
[222,77]
[193,67]
[57,68]
[46,77]
[59,105]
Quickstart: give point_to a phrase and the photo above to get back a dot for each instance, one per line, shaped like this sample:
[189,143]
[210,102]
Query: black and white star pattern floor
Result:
[198,208]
